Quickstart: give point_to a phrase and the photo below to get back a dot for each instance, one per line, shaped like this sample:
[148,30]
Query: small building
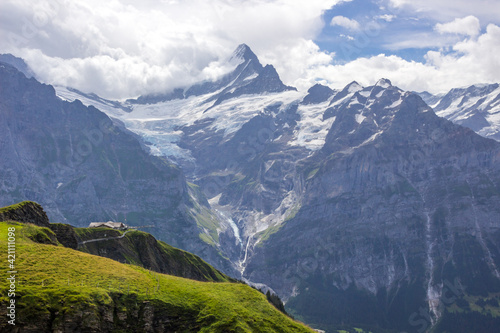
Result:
[109,224]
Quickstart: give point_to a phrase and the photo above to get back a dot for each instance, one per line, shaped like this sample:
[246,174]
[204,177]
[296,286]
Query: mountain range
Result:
[363,206]
[476,107]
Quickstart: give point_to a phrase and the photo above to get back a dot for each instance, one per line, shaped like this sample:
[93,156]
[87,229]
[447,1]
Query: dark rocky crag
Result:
[126,313]
[26,212]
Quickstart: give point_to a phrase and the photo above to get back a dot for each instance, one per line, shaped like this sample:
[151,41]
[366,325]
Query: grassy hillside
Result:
[142,249]
[67,290]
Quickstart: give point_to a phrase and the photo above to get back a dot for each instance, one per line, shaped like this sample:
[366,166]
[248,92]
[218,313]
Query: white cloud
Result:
[446,10]
[468,25]
[123,48]
[150,46]
[366,71]
[387,17]
[345,22]
[348,37]
[421,40]
[299,63]
[470,61]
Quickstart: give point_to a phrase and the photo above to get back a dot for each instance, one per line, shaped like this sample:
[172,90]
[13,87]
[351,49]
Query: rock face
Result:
[83,167]
[122,312]
[26,212]
[318,94]
[65,234]
[388,207]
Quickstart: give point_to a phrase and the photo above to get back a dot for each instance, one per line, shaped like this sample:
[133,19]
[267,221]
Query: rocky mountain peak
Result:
[361,117]
[249,78]
[270,81]
[244,53]
[353,87]
[318,94]
[248,64]
[384,83]
[17,63]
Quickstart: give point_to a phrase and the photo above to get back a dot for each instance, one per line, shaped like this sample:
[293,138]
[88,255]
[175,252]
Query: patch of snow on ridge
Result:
[360,118]
[251,77]
[70,95]
[311,128]
[232,114]
[383,83]
[464,105]
[365,93]
[354,87]
[395,104]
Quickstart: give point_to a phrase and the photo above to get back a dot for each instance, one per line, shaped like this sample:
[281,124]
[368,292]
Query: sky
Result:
[120,49]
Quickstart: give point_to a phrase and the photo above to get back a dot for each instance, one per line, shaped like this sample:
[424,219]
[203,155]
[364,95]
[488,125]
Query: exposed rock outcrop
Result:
[26,212]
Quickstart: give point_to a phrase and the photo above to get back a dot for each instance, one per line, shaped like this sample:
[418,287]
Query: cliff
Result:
[27,212]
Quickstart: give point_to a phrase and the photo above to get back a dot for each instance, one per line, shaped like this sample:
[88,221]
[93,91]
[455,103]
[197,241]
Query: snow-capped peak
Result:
[353,87]
[243,53]
[383,83]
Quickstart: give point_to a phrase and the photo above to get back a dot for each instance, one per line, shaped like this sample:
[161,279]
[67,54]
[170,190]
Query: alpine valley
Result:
[367,208]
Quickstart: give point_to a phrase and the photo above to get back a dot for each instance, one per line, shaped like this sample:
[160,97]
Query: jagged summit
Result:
[243,52]
[248,77]
[317,94]
[349,89]
[362,114]
[353,86]
[383,83]
[17,63]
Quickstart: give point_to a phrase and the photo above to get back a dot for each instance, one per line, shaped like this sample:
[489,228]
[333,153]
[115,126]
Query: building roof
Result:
[109,224]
